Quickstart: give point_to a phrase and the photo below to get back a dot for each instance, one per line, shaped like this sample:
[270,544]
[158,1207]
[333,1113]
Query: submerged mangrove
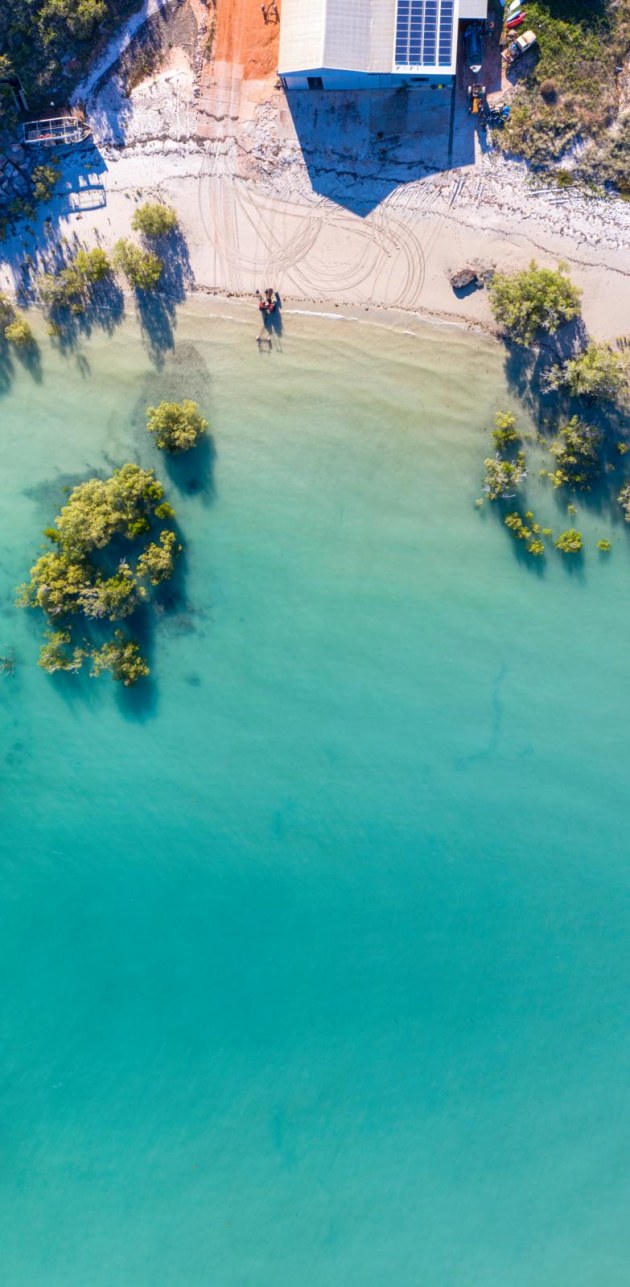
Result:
[90,577]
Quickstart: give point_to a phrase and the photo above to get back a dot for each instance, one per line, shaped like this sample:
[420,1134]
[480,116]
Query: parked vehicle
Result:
[474,43]
[519,47]
[476,95]
[516,21]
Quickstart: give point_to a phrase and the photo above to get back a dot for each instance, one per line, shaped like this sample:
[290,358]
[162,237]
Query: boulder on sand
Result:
[464,277]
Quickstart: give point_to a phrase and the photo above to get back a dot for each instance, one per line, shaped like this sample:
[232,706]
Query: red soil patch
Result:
[244,38]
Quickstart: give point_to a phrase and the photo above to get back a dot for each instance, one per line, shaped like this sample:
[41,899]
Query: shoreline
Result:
[239,236]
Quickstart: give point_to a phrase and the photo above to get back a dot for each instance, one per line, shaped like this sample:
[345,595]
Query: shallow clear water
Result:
[315,955]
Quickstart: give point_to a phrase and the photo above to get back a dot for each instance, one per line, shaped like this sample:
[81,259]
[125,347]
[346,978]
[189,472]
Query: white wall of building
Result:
[473,9]
[302,32]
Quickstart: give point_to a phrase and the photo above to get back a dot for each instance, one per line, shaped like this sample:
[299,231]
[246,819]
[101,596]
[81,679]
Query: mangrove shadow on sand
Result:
[157,310]
[13,356]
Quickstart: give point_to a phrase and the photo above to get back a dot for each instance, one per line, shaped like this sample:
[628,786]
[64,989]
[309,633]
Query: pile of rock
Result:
[16,167]
[465,279]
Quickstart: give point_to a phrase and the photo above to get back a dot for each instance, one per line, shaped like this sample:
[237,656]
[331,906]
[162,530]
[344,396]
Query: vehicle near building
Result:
[519,47]
[474,45]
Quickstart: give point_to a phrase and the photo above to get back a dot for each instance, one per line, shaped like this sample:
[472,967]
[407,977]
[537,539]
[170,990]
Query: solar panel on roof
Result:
[424,32]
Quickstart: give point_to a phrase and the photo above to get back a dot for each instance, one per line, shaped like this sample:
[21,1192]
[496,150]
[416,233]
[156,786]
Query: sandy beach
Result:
[349,205]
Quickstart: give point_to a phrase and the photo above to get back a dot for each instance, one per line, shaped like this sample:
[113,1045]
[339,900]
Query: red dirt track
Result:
[244,39]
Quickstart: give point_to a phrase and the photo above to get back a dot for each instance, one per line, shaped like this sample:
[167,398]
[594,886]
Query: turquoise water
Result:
[315,956]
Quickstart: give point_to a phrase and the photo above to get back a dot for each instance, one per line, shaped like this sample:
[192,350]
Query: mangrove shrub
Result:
[570,542]
[576,449]
[18,332]
[503,476]
[177,425]
[533,300]
[122,658]
[154,219]
[157,561]
[599,374]
[142,268]
[85,577]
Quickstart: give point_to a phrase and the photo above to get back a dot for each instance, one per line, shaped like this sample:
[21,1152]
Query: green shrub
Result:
[599,373]
[67,288]
[142,268]
[177,425]
[154,219]
[45,178]
[157,562]
[19,333]
[503,476]
[68,582]
[98,510]
[56,653]
[122,658]
[570,542]
[576,449]
[93,264]
[533,300]
[505,435]
[624,501]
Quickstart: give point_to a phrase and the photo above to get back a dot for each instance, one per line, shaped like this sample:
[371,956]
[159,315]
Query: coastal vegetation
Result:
[576,450]
[568,115]
[57,653]
[122,658]
[599,374]
[177,426]
[45,179]
[533,300]
[14,327]
[624,501]
[94,264]
[90,578]
[71,287]
[503,476]
[157,561]
[570,542]
[142,268]
[505,471]
[48,43]
[505,434]
[152,219]
[526,530]
[18,332]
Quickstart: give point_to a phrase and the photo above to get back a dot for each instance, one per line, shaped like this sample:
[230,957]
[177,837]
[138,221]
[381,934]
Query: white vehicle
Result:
[519,47]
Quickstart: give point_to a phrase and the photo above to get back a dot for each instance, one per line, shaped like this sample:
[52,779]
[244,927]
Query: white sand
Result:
[228,157]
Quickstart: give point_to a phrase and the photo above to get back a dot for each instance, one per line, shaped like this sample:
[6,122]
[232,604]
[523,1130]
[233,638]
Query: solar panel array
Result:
[424,32]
